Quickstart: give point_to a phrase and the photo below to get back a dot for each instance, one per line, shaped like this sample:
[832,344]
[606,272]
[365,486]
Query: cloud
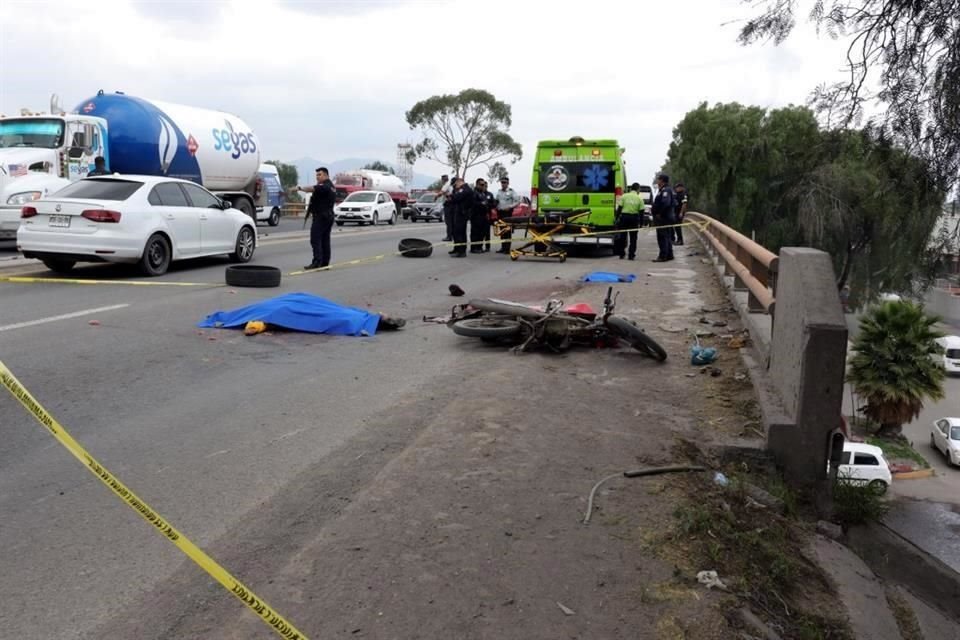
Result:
[334,79]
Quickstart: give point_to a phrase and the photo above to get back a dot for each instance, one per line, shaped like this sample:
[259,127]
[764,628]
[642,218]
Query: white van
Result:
[951,353]
[864,464]
[271,197]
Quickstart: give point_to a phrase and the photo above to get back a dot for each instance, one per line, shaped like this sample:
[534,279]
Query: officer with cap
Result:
[663,217]
[629,211]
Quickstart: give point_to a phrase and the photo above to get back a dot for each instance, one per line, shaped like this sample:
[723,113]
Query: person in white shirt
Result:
[446,189]
[507,199]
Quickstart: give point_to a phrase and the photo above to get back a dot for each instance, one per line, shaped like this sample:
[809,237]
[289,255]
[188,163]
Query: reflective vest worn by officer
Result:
[631,204]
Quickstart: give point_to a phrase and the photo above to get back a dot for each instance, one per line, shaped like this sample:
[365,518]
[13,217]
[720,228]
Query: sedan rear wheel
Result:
[156,256]
[246,244]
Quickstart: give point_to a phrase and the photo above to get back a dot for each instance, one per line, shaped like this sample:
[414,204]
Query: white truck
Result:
[41,153]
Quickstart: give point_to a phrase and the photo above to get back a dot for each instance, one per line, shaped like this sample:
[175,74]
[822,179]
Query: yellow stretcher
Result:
[539,231]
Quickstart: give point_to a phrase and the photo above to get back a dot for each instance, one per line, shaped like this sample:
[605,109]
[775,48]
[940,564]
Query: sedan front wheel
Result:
[246,244]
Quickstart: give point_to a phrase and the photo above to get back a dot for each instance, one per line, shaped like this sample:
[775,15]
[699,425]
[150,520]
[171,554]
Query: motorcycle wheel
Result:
[636,337]
[487,327]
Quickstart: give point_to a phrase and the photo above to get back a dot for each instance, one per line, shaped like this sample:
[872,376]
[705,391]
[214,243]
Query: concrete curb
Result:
[915,475]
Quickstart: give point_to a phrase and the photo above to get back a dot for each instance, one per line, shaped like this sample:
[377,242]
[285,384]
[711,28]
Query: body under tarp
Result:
[299,312]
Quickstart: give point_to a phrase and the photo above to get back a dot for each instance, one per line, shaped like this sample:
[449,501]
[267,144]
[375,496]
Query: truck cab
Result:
[40,154]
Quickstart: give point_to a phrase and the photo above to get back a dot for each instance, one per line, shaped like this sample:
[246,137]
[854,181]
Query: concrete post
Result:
[807,364]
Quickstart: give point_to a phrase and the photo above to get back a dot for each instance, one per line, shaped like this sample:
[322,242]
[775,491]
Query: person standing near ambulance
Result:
[629,211]
[663,217]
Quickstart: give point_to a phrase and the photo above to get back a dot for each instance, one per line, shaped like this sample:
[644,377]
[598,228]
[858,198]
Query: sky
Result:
[333,79]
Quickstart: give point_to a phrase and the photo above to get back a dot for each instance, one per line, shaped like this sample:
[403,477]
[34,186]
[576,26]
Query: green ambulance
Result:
[575,174]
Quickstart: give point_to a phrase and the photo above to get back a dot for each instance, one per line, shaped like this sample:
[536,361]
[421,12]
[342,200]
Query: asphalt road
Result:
[203,425]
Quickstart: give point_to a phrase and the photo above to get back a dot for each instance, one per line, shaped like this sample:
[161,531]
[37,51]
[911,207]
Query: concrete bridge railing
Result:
[790,304]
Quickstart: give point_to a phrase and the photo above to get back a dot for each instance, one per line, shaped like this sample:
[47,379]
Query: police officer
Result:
[462,203]
[629,211]
[507,200]
[682,196]
[99,167]
[322,199]
[663,217]
[484,204]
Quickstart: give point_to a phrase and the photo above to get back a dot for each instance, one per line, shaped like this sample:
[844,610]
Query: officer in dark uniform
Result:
[462,204]
[663,217]
[682,196]
[485,202]
[321,208]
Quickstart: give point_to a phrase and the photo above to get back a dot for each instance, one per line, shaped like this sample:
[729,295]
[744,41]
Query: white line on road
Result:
[66,316]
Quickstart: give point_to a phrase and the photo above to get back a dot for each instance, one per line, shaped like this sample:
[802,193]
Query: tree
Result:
[892,367]
[376,165]
[778,175]
[462,131]
[910,48]
[289,178]
[496,171]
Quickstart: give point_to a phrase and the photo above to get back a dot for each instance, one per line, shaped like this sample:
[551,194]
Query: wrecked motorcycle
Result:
[554,327]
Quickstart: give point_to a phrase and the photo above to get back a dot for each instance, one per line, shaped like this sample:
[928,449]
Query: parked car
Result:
[149,220]
[864,464]
[951,353]
[945,438]
[428,206]
[366,207]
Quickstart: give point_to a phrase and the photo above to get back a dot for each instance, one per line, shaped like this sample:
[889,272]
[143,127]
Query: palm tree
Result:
[892,368]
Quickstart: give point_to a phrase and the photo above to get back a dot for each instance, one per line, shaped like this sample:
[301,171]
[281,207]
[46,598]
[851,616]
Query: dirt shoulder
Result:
[458,514]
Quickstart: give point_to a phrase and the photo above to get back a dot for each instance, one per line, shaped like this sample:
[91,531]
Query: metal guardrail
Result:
[753,267]
[293,209]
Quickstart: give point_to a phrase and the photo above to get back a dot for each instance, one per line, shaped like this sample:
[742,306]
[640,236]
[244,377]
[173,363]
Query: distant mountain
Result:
[306,167]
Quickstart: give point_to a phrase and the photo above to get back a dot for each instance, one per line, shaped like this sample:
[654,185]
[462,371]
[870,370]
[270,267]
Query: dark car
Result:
[429,207]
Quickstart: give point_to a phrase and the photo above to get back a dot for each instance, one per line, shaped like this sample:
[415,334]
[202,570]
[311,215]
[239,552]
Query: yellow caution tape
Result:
[137,283]
[275,621]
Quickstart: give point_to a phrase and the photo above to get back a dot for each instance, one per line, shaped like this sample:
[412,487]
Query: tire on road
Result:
[636,337]
[415,248]
[492,328]
[252,275]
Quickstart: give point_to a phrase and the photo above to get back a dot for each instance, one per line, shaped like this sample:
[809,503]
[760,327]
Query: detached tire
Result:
[415,248]
[252,275]
[636,338]
[487,328]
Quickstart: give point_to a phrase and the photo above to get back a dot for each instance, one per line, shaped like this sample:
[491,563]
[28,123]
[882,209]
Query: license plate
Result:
[59,221]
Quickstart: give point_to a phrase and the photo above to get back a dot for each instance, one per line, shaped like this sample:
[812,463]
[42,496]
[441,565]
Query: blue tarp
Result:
[606,276]
[300,312]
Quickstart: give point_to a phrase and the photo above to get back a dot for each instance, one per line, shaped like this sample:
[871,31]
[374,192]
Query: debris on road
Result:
[456,291]
[608,276]
[94,323]
[711,580]
[567,611]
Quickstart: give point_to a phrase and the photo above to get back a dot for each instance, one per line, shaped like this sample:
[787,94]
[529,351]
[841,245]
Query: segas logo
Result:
[232,142]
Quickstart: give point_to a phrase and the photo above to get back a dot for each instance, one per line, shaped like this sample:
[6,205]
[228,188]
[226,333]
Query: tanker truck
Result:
[42,153]
[371,180]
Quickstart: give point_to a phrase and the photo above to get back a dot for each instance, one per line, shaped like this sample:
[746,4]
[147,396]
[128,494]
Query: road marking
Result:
[65,316]
[139,283]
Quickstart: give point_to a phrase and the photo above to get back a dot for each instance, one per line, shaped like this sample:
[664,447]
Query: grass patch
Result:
[758,554]
[856,504]
[900,450]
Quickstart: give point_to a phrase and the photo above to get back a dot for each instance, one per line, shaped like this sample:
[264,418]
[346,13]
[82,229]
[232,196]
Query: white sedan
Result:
[365,207]
[945,438]
[145,220]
